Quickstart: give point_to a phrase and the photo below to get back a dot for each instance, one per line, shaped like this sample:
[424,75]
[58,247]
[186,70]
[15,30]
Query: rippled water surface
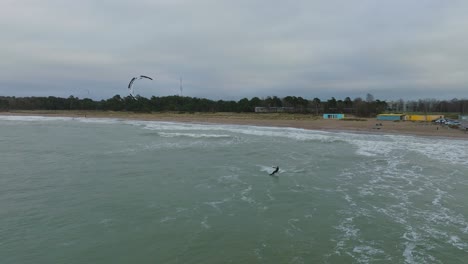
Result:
[115,191]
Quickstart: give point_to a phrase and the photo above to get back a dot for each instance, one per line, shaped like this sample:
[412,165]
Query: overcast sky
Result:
[392,49]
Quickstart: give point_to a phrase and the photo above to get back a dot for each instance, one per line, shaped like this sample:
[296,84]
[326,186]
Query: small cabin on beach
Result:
[398,117]
[390,117]
[426,118]
[333,116]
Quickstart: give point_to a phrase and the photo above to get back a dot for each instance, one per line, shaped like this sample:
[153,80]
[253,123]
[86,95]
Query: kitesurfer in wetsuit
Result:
[275,171]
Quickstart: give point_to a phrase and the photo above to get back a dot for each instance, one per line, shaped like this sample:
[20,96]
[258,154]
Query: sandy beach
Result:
[359,125]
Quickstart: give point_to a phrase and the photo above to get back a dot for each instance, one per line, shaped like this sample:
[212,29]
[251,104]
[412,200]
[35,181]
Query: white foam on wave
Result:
[349,200]
[292,133]
[457,242]
[167,219]
[454,152]
[265,168]
[408,252]
[372,148]
[34,118]
[348,229]
[216,204]
[404,193]
[445,217]
[292,229]
[173,126]
[204,223]
[434,221]
[438,197]
[417,247]
[244,195]
[193,135]
[367,253]
[412,239]
[448,150]
[293,224]
[106,121]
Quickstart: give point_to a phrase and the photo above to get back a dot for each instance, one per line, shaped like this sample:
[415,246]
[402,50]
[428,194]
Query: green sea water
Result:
[113,191]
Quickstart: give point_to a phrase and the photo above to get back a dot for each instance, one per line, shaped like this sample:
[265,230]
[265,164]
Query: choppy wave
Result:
[193,135]
[387,185]
[370,198]
[34,118]
[449,150]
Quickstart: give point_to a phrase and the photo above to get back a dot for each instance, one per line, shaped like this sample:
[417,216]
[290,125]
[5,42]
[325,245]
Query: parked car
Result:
[453,123]
[440,121]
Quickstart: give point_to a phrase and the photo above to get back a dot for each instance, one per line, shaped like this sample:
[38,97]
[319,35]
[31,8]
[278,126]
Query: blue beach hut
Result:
[333,116]
[390,117]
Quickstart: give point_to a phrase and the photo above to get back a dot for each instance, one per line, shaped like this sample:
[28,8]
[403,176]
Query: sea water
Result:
[82,190]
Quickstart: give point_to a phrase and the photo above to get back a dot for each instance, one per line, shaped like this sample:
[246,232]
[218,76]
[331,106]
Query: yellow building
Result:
[427,118]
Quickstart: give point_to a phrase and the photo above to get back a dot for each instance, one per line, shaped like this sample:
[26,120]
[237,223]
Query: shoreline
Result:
[303,121]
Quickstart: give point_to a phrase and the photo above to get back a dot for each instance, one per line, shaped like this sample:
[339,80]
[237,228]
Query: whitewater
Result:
[90,190]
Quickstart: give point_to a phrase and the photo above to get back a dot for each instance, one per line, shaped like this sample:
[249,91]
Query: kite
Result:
[130,85]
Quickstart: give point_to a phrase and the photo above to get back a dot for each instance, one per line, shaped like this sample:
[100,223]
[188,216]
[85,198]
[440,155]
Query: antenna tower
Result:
[180,87]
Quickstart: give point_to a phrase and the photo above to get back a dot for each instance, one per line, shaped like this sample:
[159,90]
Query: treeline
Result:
[429,105]
[358,106]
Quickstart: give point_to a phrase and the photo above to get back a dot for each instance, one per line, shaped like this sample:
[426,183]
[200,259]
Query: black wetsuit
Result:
[275,171]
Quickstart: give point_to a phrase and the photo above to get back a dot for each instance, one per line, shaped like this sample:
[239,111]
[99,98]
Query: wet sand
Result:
[305,121]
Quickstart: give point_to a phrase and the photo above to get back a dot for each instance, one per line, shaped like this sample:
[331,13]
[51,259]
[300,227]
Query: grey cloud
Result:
[236,49]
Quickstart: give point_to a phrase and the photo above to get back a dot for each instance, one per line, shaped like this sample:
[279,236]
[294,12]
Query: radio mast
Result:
[180,87]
